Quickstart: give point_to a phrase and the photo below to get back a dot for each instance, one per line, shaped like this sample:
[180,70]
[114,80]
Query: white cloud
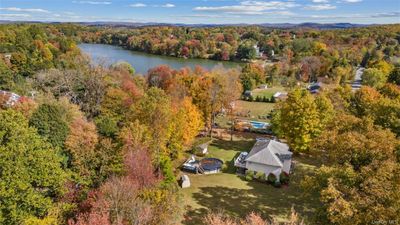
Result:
[351,1]
[349,16]
[168,5]
[386,14]
[69,13]
[138,5]
[320,7]
[15,9]
[92,2]
[320,1]
[249,7]
[14,15]
[210,16]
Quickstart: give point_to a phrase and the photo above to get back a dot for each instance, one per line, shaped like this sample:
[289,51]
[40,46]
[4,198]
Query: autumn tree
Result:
[360,183]
[117,202]
[383,109]
[186,124]
[252,75]
[301,118]
[215,91]
[81,146]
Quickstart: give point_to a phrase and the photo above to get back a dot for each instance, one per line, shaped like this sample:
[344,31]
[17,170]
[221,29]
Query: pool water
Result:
[259,125]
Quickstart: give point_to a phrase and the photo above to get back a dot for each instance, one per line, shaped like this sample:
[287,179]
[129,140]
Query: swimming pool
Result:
[259,125]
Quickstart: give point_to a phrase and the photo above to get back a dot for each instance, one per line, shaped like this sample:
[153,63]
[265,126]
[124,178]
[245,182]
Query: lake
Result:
[142,62]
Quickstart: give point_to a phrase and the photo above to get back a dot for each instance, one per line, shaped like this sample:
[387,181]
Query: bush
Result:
[284,178]
[260,176]
[273,100]
[249,177]
[272,178]
[249,172]
[225,166]
[277,184]
[251,98]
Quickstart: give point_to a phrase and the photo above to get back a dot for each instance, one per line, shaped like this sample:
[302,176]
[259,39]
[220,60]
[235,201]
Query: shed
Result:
[247,93]
[203,148]
[185,181]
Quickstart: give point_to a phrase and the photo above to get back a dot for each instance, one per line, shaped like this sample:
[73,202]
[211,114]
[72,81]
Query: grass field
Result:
[267,92]
[228,192]
[255,109]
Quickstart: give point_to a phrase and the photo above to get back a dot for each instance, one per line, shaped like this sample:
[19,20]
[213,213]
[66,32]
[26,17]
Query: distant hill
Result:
[269,25]
[314,25]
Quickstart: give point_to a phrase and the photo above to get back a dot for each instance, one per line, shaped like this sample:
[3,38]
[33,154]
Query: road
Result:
[357,79]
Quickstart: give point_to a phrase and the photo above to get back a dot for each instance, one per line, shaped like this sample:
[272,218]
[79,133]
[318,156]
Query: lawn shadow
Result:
[230,165]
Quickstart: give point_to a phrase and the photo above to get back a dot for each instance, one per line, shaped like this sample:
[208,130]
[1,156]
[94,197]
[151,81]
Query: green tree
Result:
[246,50]
[374,77]
[394,76]
[31,177]
[49,120]
[6,77]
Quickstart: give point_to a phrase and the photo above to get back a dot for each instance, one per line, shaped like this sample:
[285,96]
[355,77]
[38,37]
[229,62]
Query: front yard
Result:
[228,192]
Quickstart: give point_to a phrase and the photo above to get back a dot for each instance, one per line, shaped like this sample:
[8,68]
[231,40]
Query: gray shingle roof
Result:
[269,152]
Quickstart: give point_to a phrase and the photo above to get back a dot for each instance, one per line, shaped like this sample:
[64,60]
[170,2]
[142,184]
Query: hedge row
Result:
[258,99]
[271,178]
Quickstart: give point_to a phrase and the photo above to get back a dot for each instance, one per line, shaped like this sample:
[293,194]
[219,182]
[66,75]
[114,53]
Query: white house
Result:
[266,156]
[10,97]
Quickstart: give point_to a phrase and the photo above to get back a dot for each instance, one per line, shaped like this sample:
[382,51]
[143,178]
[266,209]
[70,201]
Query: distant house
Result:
[280,95]
[314,88]
[266,156]
[263,86]
[10,98]
[258,53]
[247,93]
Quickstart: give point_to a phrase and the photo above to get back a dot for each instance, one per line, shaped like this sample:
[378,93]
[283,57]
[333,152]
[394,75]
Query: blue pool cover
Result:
[210,164]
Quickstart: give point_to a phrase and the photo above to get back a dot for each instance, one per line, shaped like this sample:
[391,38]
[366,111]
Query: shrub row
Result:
[258,99]
[271,178]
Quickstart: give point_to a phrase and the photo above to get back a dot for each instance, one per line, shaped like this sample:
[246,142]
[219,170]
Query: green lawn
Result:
[267,92]
[255,109]
[237,197]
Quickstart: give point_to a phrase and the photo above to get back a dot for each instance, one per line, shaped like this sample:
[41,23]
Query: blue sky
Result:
[204,11]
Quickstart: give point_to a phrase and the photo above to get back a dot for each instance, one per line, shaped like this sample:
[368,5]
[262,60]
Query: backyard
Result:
[228,192]
[257,111]
[268,93]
